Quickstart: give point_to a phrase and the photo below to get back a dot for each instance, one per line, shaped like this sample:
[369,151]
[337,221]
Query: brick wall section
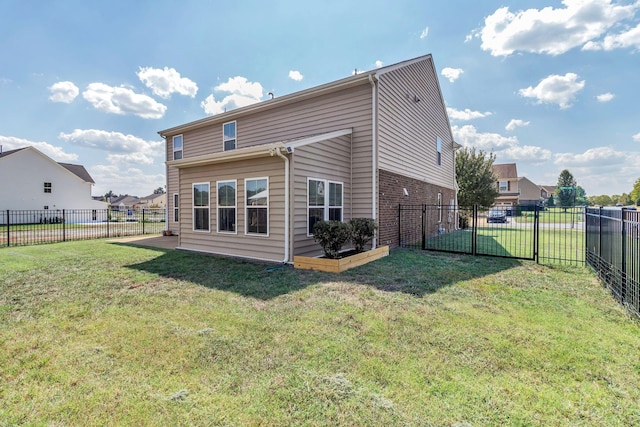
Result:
[391,194]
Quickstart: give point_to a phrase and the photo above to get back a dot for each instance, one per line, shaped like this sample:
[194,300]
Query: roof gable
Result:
[77,170]
[506,171]
[355,80]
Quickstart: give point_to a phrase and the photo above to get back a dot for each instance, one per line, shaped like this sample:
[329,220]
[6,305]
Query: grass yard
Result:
[97,333]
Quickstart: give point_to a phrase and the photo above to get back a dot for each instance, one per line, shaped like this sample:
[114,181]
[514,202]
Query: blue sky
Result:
[549,85]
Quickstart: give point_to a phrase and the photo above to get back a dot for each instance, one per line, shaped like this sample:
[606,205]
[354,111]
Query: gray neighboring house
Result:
[253,181]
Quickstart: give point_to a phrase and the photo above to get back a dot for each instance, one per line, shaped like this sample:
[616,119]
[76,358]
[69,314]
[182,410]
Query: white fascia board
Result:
[290,146]
[228,156]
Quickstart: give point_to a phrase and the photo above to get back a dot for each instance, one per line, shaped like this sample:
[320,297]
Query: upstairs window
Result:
[324,202]
[257,205]
[229,136]
[47,187]
[438,151]
[227,206]
[503,186]
[177,147]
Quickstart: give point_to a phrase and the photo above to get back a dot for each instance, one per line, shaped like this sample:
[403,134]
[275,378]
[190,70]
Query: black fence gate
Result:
[554,235]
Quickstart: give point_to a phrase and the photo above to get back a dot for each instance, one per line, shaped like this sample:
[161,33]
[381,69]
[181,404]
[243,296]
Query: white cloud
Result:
[555,89]
[553,31]
[636,137]
[164,82]
[505,148]
[627,39]
[452,74]
[295,75]
[63,92]
[121,148]
[120,100]
[424,33]
[467,114]
[605,97]
[56,153]
[379,63]
[515,123]
[243,93]
[123,179]
[600,169]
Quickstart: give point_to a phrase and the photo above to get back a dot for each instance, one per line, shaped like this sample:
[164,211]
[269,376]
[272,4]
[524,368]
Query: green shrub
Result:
[331,235]
[363,229]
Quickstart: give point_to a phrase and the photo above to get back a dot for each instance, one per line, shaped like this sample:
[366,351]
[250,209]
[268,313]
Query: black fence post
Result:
[399,225]
[624,257]
[108,220]
[599,234]
[8,228]
[64,234]
[424,227]
[474,230]
[142,220]
[536,235]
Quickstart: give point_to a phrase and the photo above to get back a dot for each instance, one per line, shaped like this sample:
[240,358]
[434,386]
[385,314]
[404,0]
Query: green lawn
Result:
[97,333]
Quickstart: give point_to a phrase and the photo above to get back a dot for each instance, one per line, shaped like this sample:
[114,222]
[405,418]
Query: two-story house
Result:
[32,181]
[508,191]
[252,182]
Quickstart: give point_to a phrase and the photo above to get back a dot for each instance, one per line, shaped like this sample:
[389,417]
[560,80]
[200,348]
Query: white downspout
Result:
[374,164]
[287,190]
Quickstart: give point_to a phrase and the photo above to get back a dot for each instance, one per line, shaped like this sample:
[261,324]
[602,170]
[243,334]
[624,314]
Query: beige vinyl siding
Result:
[330,160]
[347,108]
[407,130]
[172,183]
[269,247]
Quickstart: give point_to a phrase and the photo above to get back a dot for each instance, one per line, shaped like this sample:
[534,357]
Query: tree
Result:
[635,193]
[566,189]
[581,197]
[158,190]
[551,203]
[476,181]
[602,200]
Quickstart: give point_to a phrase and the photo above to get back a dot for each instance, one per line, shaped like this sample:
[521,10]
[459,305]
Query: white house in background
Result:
[30,180]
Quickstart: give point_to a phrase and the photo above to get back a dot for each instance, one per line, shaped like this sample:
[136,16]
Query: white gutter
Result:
[374,142]
[277,152]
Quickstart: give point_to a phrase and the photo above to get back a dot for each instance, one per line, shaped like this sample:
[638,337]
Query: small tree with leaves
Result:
[475,177]
[635,193]
[566,189]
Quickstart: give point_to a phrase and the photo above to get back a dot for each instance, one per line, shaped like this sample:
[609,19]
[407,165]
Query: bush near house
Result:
[363,231]
[332,236]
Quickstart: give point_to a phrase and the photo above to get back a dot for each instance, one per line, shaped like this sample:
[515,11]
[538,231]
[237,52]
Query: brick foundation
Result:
[391,194]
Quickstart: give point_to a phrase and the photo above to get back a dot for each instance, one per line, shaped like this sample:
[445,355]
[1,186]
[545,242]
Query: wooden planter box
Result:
[342,264]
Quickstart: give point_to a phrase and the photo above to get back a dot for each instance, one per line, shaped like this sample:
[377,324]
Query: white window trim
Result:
[173,146]
[246,208]
[326,201]
[235,186]
[224,139]
[50,188]
[193,207]
[439,207]
[438,151]
[176,207]
[506,186]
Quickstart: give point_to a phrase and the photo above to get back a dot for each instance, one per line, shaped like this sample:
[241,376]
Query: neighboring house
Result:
[30,180]
[252,182]
[546,191]
[154,201]
[507,185]
[530,193]
[125,203]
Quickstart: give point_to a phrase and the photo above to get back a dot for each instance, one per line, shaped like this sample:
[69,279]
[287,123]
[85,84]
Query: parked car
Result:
[496,215]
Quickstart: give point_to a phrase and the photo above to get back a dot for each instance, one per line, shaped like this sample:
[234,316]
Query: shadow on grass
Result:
[414,272]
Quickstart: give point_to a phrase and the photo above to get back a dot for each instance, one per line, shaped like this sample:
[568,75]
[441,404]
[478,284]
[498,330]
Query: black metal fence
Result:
[613,251]
[32,227]
[547,236]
